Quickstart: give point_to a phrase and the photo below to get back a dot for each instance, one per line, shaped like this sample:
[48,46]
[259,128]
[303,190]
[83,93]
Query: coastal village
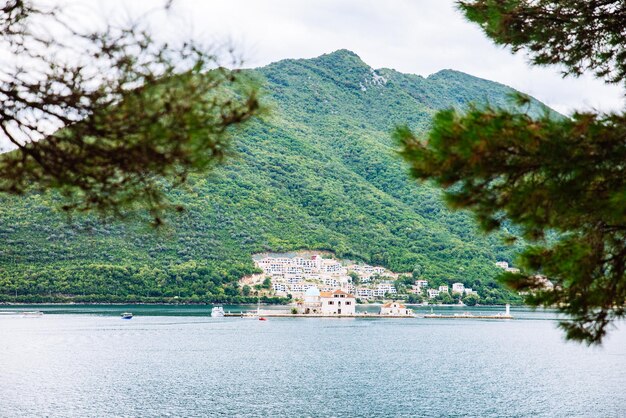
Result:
[306,275]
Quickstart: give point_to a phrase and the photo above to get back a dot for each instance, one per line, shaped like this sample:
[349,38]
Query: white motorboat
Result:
[217,312]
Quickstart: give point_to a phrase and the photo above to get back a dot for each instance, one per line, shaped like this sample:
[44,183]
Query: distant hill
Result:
[320,172]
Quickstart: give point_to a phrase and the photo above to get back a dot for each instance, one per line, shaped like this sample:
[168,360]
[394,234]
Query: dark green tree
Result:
[245,290]
[413,298]
[471,299]
[417,272]
[356,279]
[104,116]
[561,180]
[444,297]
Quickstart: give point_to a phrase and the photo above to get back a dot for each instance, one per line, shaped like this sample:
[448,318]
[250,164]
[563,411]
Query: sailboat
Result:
[258,310]
[255,315]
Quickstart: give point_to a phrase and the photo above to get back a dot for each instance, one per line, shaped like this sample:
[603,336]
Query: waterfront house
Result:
[443,289]
[333,303]
[311,303]
[395,309]
[432,293]
[337,303]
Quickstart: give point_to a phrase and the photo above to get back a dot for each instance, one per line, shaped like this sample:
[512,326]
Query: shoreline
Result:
[237,304]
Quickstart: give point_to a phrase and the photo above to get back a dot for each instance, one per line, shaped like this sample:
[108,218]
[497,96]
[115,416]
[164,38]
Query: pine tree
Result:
[104,116]
[560,180]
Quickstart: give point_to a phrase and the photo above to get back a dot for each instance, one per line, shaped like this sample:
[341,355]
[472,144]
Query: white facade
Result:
[432,293]
[338,303]
[383,288]
[297,274]
[331,281]
[422,283]
[332,303]
[280,287]
[443,289]
[416,290]
[395,309]
[364,292]
[301,287]
[502,264]
[458,288]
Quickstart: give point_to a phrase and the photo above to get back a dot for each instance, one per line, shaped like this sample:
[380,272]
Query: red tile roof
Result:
[390,304]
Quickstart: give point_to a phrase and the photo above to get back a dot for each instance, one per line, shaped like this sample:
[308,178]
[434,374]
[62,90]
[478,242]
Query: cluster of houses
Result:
[296,275]
[456,288]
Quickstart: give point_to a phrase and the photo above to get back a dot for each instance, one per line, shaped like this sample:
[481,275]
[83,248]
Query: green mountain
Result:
[320,172]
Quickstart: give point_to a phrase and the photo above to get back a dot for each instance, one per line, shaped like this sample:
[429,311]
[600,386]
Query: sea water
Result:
[85,361]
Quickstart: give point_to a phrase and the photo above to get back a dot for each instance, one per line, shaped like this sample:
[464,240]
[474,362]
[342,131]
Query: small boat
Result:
[262,318]
[127,315]
[217,312]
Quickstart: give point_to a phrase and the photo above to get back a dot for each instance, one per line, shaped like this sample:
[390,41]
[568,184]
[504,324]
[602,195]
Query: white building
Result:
[366,279]
[395,309]
[379,270]
[338,303]
[502,264]
[301,287]
[458,288]
[432,293]
[280,287]
[415,289]
[422,283]
[331,266]
[383,288]
[443,289]
[333,303]
[331,281]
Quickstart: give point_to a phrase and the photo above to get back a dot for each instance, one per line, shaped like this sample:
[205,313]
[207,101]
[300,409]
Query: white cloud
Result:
[419,37]
[411,36]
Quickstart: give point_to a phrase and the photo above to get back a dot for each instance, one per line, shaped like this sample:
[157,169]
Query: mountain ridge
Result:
[320,173]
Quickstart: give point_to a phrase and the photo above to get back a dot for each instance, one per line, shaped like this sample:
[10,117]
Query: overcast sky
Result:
[411,36]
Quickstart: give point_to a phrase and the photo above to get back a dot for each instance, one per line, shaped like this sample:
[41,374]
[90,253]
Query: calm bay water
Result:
[176,361]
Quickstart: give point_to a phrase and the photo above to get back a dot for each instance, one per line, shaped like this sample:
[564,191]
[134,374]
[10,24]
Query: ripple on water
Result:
[86,365]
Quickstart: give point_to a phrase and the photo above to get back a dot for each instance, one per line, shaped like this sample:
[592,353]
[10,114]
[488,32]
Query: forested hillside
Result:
[318,172]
